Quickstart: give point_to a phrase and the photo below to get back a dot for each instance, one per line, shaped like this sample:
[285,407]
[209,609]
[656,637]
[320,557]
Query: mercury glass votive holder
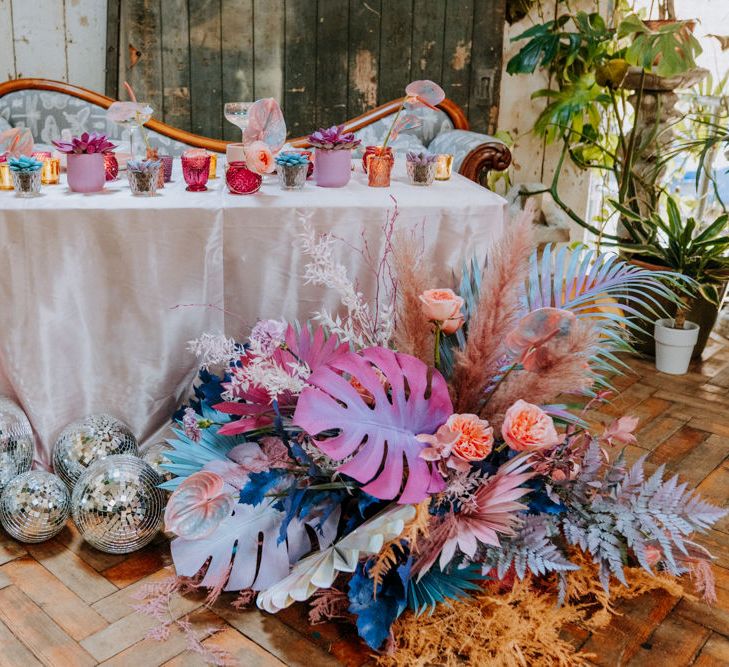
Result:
[26,183]
[213,165]
[379,168]
[51,171]
[144,183]
[166,167]
[6,180]
[292,176]
[444,166]
[421,173]
[196,171]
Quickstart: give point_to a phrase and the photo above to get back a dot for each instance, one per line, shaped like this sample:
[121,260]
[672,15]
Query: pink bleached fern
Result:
[379,433]
[313,349]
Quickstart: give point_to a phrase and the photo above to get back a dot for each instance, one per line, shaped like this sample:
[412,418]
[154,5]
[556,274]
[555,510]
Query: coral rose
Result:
[527,426]
[259,158]
[475,437]
[440,305]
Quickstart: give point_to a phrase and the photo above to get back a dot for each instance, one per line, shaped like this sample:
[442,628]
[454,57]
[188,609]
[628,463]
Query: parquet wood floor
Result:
[64,604]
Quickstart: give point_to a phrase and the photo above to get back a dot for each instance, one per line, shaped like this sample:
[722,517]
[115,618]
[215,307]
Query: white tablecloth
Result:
[90,283]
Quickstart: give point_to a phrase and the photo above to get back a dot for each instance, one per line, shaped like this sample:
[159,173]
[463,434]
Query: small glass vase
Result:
[292,176]
[26,183]
[421,174]
[379,168]
[144,183]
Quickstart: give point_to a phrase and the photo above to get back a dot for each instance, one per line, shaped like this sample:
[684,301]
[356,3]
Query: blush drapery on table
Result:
[95,289]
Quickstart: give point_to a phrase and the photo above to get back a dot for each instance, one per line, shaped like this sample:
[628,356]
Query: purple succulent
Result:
[334,139]
[421,158]
[86,144]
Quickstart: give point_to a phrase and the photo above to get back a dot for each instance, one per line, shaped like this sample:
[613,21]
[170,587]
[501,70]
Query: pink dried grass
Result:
[413,332]
[499,310]
[565,369]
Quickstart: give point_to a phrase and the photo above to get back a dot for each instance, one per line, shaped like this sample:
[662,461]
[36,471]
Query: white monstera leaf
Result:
[320,569]
[234,545]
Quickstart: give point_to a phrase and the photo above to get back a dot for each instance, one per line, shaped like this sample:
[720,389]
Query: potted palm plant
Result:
[701,253]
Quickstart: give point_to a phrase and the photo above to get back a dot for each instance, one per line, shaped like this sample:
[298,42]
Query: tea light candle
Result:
[51,171]
[235,153]
[213,165]
[6,180]
[443,166]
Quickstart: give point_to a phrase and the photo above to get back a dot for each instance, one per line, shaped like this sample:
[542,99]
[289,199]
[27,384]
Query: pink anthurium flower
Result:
[16,141]
[424,92]
[198,505]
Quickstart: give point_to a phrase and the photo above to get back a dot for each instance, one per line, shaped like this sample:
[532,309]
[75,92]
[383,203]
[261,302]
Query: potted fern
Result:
[701,253]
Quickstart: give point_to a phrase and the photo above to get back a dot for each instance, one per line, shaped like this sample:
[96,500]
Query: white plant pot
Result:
[674,346]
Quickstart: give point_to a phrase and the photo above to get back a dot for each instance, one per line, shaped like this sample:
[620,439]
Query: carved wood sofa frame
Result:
[479,161]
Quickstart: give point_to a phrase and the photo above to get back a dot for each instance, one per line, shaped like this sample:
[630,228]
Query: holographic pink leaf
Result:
[198,505]
[425,92]
[406,121]
[537,328]
[16,141]
[380,432]
[266,123]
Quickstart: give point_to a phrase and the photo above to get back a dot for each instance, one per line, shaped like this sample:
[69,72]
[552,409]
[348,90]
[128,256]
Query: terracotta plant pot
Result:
[85,172]
[333,169]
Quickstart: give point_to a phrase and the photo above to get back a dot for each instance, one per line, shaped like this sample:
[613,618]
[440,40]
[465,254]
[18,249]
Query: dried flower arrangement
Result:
[409,453]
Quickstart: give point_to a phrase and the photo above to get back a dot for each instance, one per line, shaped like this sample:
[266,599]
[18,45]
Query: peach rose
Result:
[475,437]
[259,157]
[440,305]
[452,324]
[527,426]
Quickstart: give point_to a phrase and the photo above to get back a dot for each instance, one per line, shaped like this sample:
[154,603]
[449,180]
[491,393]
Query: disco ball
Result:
[87,440]
[16,442]
[117,505]
[34,506]
[154,453]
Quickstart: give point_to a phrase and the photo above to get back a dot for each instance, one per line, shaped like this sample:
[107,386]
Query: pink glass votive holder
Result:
[111,167]
[241,180]
[196,171]
[41,155]
[166,166]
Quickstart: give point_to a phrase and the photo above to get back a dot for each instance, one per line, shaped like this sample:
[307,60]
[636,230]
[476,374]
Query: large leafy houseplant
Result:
[685,246]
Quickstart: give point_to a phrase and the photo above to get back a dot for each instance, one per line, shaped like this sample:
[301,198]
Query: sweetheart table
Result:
[101,293]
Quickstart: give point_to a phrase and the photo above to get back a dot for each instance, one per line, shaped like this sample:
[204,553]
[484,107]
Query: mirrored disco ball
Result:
[87,440]
[16,442]
[34,506]
[117,505]
[154,454]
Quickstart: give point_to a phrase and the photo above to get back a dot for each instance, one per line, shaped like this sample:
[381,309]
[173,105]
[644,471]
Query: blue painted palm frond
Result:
[188,457]
[437,586]
[575,279]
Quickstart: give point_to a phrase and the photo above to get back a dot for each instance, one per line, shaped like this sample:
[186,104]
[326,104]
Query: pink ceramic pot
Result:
[332,169]
[85,172]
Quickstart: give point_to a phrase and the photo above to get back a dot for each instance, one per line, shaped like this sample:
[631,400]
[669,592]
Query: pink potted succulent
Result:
[333,157]
[85,161]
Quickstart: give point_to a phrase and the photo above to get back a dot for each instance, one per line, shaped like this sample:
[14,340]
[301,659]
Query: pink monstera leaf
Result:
[313,349]
[266,123]
[424,92]
[380,430]
[16,141]
[198,505]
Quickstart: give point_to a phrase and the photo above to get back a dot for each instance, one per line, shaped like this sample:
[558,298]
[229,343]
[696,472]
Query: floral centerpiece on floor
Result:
[413,465]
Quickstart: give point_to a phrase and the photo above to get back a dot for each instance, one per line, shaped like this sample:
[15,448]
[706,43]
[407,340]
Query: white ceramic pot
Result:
[674,346]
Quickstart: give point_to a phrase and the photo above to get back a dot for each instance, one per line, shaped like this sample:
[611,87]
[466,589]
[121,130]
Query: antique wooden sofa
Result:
[47,107]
